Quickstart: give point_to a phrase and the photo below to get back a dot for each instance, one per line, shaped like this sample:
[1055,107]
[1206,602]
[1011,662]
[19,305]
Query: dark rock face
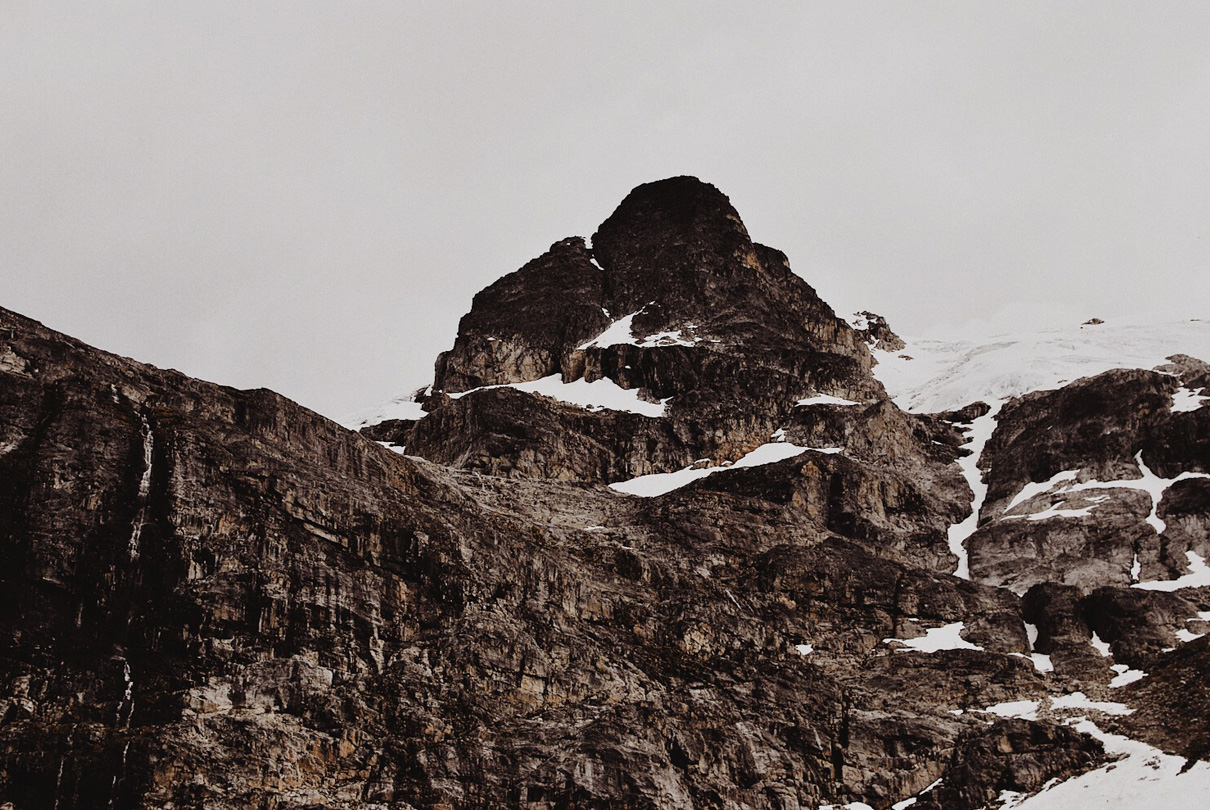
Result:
[1097,430]
[217,598]
[1011,755]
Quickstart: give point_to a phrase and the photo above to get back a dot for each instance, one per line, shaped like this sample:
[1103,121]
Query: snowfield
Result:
[944,376]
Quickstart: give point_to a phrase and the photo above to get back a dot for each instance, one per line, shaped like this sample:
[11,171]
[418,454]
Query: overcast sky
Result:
[306,196]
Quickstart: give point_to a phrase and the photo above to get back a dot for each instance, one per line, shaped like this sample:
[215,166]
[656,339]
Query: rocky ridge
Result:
[216,598]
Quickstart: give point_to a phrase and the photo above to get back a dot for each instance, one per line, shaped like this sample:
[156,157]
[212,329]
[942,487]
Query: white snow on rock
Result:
[1078,700]
[618,333]
[1033,489]
[673,338]
[1064,482]
[404,407]
[804,649]
[394,448]
[908,802]
[825,399]
[602,394]
[1100,646]
[1143,777]
[1054,511]
[858,321]
[936,639]
[944,376]
[1024,709]
[1041,662]
[977,436]
[1125,675]
[621,333]
[1187,400]
[649,486]
[1198,576]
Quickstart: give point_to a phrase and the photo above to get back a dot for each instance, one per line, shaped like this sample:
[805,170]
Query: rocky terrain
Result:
[657,536]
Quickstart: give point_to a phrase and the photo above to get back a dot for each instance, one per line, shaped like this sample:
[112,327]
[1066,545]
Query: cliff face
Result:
[217,598]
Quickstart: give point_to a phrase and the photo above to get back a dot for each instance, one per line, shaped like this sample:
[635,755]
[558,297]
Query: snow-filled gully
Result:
[978,435]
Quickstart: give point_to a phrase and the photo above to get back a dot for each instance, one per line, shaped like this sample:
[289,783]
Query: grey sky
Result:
[306,196]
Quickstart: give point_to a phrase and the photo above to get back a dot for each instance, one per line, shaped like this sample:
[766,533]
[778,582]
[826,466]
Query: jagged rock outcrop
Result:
[702,318]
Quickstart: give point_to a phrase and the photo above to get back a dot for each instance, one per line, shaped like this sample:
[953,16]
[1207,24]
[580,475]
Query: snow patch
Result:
[1186,399]
[825,399]
[673,338]
[1147,482]
[1033,489]
[804,649]
[403,407]
[650,486]
[1198,576]
[1041,662]
[936,639]
[1143,777]
[621,333]
[1100,646]
[1023,709]
[618,333]
[602,394]
[1125,675]
[1078,700]
[906,803]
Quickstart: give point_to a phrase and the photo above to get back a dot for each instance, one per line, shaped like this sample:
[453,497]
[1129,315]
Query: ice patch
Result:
[602,394]
[936,639]
[649,486]
[394,448]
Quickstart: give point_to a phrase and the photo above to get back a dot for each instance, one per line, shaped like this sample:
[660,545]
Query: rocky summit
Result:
[663,532]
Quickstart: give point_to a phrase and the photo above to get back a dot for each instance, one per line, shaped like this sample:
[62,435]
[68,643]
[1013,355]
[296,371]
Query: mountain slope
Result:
[217,598]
